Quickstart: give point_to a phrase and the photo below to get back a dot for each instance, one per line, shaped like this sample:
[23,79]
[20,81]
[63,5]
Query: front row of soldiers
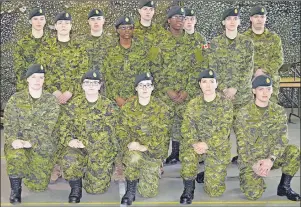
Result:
[97,129]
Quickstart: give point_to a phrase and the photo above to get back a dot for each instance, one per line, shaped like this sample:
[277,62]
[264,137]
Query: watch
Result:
[272,158]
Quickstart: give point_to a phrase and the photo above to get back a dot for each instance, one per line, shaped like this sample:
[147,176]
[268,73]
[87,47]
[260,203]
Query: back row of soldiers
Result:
[86,127]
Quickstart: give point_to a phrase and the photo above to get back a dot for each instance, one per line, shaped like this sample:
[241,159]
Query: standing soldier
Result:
[143,132]
[29,119]
[26,48]
[268,52]
[90,142]
[262,142]
[206,128]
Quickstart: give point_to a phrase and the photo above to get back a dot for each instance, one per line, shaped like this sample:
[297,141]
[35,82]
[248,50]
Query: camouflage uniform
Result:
[268,55]
[208,122]
[262,132]
[31,120]
[148,125]
[94,125]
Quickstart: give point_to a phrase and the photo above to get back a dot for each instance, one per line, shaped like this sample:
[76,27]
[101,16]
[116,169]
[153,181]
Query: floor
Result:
[171,188]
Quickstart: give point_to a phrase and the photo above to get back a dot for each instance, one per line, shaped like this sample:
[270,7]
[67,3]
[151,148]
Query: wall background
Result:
[283,18]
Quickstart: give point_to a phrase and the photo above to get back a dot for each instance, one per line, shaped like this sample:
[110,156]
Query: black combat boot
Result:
[188,193]
[129,196]
[200,177]
[16,189]
[76,190]
[284,188]
[234,160]
[174,156]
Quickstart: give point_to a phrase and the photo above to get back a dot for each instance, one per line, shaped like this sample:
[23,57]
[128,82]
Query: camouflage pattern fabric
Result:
[94,125]
[208,122]
[233,62]
[262,132]
[31,120]
[149,125]
[268,55]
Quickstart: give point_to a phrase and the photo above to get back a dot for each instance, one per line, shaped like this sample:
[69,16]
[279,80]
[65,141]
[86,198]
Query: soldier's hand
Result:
[120,101]
[255,168]
[182,97]
[75,143]
[17,144]
[57,94]
[142,148]
[259,72]
[200,147]
[173,95]
[67,95]
[26,144]
[265,167]
[133,146]
[230,93]
[62,99]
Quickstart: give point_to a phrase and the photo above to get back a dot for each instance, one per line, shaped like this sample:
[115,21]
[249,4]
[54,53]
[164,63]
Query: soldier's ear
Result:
[30,22]
[254,91]
[168,21]
[238,21]
[223,22]
[216,85]
[139,11]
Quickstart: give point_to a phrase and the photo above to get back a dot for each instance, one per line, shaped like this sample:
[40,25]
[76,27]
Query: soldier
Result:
[29,119]
[91,144]
[261,129]
[65,61]
[205,129]
[27,47]
[268,53]
[143,131]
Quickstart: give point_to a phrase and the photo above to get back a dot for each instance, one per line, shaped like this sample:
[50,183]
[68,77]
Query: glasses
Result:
[148,85]
[91,83]
[126,27]
[178,17]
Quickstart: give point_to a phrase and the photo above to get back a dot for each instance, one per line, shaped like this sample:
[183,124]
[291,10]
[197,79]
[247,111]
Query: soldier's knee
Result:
[293,149]
[134,157]
[253,195]
[214,190]
[147,193]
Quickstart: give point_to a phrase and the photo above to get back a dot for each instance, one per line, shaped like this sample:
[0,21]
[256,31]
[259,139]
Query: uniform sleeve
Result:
[19,65]
[276,61]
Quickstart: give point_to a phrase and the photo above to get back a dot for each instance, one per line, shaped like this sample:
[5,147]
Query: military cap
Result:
[189,12]
[95,13]
[262,80]
[207,74]
[175,10]
[230,12]
[36,12]
[142,77]
[63,16]
[92,75]
[35,68]
[147,3]
[258,10]
[125,20]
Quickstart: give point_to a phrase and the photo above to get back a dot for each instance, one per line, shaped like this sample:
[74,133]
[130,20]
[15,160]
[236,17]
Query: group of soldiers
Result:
[94,103]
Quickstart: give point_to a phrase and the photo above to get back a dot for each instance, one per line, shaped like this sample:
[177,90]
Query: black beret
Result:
[92,75]
[262,80]
[62,16]
[189,12]
[230,12]
[142,77]
[35,68]
[36,12]
[147,3]
[175,10]
[125,20]
[258,10]
[95,13]
[207,74]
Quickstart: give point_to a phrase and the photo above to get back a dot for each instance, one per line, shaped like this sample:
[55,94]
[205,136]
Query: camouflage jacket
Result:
[233,63]
[260,132]
[25,55]
[31,120]
[268,52]
[149,125]
[120,67]
[208,122]
[91,123]
[65,63]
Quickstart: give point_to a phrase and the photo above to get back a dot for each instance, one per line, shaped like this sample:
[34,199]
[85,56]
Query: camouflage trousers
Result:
[94,167]
[253,185]
[176,134]
[140,166]
[216,162]
[31,165]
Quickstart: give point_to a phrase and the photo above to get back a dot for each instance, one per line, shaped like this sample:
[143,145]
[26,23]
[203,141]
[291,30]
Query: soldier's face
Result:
[208,85]
[36,81]
[146,13]
[63,27]
[38,22]
[263,93]
[176,22]
[231,23]
[258,21]
[189,22]
[91,87]
[125,31]
[96,23]
[145,89]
